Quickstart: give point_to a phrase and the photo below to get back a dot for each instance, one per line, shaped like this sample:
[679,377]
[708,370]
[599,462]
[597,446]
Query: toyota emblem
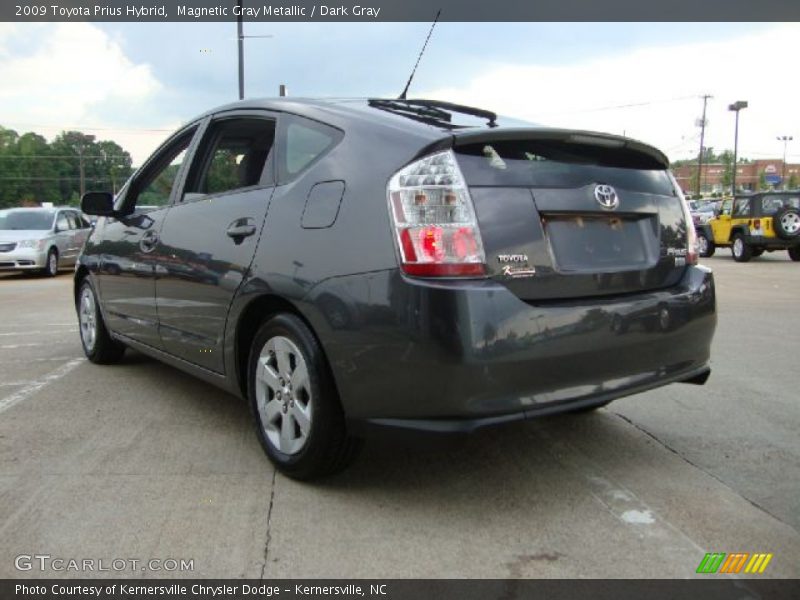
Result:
[606,196]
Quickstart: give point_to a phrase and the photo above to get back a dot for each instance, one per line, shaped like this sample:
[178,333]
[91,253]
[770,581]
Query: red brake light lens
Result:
[434,219]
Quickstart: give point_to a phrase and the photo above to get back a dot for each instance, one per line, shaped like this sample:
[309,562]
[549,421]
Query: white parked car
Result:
[41,239]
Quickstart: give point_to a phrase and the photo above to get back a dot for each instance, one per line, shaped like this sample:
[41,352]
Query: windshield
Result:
[40,220]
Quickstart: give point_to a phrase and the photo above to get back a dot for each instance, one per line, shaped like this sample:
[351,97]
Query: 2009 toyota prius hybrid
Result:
[407,263]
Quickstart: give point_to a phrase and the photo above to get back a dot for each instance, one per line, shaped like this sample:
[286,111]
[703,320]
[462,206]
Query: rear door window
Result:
[234,155]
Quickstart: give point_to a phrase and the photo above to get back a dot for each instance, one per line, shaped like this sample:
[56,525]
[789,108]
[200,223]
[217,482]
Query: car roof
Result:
[343,112]
[377,112]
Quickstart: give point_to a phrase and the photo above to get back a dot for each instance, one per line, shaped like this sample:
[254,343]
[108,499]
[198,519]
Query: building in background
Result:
[751,176]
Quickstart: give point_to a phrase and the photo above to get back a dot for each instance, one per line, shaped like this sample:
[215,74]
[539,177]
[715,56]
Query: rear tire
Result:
[794,253]
[741,251]
[705,246]
[98,345]
[51,265]
[299,419]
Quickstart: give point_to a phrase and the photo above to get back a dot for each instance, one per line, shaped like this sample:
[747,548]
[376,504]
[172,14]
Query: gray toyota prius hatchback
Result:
[400,263]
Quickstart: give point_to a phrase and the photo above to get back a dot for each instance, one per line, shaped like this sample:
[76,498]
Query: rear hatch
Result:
[566,214]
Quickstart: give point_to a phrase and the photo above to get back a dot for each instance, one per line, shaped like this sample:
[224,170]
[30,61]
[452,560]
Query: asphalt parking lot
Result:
[139,461]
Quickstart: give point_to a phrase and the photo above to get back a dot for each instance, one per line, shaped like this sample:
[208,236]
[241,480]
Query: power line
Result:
[82,128]
[702,138]
[53,179]
[60,156]
[618,106]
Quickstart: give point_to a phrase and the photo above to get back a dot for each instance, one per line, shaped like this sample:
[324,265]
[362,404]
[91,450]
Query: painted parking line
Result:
[8,361]
[35,344]
[35,386]
[47,332]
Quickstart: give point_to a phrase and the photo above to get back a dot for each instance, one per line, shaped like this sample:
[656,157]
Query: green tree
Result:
[762,181]
[792,183]
[33,170]
[726,158]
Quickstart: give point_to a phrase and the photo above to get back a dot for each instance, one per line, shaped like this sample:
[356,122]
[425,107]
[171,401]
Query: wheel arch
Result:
[739,229]
[706,231]
[256,312]
[80,274]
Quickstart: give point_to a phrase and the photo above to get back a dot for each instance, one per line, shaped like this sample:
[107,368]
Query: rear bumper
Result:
[774,243]
[461,355]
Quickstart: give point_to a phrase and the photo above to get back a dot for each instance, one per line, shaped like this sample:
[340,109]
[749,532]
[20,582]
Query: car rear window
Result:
[555,164]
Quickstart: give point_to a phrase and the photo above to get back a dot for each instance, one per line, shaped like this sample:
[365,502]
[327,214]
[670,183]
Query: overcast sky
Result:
[135,82]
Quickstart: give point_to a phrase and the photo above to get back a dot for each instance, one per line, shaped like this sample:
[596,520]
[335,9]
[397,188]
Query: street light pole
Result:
[736,107]
[240,36]
[785,139]
[240,42]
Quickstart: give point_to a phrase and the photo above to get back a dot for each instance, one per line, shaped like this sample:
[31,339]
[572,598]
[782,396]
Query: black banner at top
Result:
[398,10]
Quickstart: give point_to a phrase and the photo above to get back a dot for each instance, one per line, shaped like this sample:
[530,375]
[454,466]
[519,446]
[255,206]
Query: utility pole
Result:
[82,170]
[785,139]
[702,142]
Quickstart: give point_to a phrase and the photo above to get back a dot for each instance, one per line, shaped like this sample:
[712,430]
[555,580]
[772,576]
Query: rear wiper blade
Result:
[413,107]
[435,109]
[481,113]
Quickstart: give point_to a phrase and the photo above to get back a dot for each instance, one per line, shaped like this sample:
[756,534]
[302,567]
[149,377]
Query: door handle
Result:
[240,229]
[149,241]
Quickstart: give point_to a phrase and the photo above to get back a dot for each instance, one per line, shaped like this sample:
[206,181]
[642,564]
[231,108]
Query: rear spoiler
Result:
[590,138]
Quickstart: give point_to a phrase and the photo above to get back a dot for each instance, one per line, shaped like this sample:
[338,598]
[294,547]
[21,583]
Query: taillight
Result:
[691,234]
[434,220]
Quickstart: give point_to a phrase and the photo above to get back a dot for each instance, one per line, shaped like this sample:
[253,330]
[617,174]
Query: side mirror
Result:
[100,204]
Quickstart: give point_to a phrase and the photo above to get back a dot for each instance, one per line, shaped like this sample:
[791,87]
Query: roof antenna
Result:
[421,52]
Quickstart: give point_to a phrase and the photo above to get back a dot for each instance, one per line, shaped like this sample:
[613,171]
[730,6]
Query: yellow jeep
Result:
[752,224]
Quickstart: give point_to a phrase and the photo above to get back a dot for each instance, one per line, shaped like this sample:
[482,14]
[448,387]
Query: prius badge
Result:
[606,196]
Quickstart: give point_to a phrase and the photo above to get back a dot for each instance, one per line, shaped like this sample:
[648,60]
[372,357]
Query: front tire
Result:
[299,420]
[51,265]
[740,249]
[98,345]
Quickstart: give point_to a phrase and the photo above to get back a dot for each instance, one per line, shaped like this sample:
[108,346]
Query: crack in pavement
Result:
[269,524]
[706,471]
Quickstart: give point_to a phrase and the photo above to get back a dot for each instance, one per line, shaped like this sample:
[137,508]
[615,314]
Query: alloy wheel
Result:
[88,319]
[702,245]
[283,395]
